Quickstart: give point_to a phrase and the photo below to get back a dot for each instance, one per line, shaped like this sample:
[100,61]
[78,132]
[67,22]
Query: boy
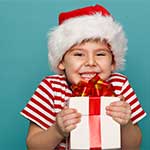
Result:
[87,42]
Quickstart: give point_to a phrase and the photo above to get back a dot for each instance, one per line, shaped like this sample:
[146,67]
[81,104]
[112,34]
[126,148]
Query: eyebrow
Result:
[99,49]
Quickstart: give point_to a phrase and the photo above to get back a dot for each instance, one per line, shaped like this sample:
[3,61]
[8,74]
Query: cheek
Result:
[106,65]
[72,70]
[108,61]
[109,67]
[73,66]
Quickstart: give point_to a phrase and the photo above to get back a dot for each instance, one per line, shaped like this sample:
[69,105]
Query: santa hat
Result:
[86,23]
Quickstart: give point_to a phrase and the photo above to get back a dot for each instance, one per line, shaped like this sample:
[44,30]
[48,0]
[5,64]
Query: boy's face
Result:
[84,61]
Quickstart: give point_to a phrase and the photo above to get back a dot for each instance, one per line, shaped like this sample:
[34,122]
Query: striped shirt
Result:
[53,92]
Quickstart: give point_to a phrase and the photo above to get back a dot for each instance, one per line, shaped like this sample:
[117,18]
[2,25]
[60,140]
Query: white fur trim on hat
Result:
[75,30]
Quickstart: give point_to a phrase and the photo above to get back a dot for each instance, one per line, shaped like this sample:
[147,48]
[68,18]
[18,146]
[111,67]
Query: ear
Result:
[61,66]
[113,66]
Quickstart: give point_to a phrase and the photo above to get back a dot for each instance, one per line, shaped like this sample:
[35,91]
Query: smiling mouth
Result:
[87,76]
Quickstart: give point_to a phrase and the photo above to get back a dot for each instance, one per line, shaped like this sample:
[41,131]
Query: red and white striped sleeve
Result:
[137,111]
[40,108]
[122,87]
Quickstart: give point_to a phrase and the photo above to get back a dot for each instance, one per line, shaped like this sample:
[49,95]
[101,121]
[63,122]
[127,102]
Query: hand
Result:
[66,120]
[120,111]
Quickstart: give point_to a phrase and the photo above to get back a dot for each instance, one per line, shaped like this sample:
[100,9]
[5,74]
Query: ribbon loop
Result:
[94,87]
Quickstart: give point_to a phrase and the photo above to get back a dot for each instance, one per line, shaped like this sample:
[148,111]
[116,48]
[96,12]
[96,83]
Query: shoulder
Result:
[117,77]
[56,80]
[57,77]
[57,83]
[119,81]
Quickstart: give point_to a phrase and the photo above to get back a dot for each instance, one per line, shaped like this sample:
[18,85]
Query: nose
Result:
[90,61]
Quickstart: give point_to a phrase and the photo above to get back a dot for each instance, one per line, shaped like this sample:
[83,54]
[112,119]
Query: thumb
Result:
[65,107]
[121,97]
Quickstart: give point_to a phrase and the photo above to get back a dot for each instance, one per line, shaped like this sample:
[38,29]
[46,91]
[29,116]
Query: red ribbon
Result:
[94,123]
[94,87]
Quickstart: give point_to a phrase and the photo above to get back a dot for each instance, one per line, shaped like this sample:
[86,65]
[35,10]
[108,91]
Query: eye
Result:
[78,54]
[101,53]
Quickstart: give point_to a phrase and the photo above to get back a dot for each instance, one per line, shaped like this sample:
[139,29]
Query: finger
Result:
[71,122]
[121,121]
[64,127]
[121,118]
[119,108]
[121,115]
[67,111]
[66,107]
[121,97]
[71,116]
[117,103]
[70,128]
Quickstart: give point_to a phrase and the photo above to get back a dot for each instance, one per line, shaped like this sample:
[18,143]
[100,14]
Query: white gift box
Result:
[86,134]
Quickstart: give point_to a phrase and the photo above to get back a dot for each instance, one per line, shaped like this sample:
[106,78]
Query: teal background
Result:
[23,56]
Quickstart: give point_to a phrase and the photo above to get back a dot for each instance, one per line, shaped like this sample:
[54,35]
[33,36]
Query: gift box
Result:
[96,130]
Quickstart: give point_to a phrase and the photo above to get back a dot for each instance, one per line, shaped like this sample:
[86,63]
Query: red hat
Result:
[85,23]
[83,11]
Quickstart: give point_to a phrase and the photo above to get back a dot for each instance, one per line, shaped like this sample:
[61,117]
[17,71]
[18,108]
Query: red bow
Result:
[94,87]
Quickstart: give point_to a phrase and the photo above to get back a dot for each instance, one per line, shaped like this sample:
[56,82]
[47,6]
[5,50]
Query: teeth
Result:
[89,76]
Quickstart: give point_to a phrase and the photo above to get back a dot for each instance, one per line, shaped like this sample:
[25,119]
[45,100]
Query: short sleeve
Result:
[137,111]
[40,108]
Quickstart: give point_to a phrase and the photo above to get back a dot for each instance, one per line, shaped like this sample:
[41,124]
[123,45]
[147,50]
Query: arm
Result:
[39,139]
[130,134]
